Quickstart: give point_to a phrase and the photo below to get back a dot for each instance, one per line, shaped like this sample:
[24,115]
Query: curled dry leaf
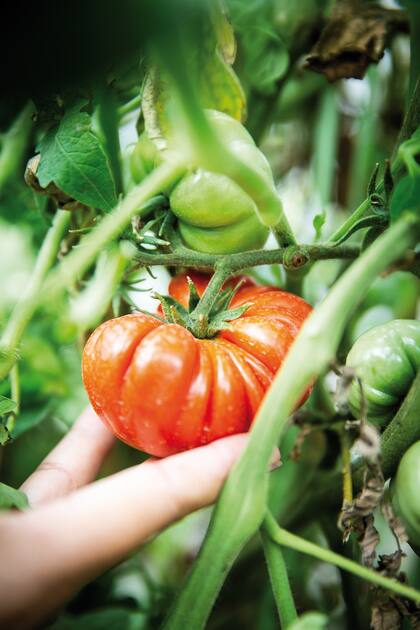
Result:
[64,201]
[355,36]
[368,443]
[357,516]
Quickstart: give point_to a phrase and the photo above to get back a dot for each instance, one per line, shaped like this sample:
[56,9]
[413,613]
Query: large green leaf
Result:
[11,498]
[73,158]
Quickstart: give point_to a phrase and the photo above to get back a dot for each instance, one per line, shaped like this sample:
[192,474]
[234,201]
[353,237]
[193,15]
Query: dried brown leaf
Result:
[355,36]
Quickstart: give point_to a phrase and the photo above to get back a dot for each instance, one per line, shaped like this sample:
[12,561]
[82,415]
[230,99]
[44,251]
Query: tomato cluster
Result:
[162,390]
[214,214]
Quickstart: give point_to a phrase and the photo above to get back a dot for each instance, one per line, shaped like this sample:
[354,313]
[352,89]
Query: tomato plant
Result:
[210,225]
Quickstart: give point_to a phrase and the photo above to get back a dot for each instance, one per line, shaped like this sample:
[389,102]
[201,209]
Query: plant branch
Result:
[242,503]
[29,300]
[293,257]
[130,106]
[402,431]
[287,539]
[279,580]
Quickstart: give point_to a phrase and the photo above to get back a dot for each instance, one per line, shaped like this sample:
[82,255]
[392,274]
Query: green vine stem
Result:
[402,431]
[130,106]
[279,580]
[14,145]
[110,227]
[242,504]
[282,537]
[28,302]
[292,257]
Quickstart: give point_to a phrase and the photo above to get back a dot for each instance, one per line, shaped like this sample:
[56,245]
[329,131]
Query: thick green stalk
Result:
[110,227]
[14,145]
[287,539]
[279,581]
[402,431]
[27,304]
[242,504]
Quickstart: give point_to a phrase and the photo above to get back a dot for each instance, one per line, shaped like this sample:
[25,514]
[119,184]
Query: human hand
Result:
[76,531]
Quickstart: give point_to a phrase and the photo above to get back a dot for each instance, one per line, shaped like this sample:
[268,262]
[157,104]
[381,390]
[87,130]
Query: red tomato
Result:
[161,390]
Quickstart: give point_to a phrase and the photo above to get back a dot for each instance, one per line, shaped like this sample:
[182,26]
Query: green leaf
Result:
[310,621]
[73,158]
[266,60]
[11,498]
[6,405]
[406,196]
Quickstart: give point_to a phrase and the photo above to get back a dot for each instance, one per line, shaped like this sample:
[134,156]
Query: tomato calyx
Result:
[202,325]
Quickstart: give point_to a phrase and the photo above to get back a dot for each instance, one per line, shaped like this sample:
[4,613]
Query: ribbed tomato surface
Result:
[161,390]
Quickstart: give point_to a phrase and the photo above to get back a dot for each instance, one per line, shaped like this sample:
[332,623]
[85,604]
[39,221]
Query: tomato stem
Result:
[279,580]
[282,537]
[302,255]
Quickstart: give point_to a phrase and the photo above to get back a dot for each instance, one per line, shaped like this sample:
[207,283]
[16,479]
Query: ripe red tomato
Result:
[161,390]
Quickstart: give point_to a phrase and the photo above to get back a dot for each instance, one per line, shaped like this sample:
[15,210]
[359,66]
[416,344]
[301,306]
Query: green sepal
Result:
[224,298]
[174,312]
[222,319]
[377,220]
[194,297]
[372,181]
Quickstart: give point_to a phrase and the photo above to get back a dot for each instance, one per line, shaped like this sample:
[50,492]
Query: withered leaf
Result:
[355,36]
[389,564]
[64,201]
[385,615]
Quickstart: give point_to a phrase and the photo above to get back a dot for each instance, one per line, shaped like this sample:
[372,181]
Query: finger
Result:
[74,462]
[63,544]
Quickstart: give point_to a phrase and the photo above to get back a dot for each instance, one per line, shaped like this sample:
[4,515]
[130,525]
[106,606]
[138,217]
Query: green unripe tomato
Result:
[215,215]
[226,239]
[406,496]
[386,358]
[144,158]
[228,128]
